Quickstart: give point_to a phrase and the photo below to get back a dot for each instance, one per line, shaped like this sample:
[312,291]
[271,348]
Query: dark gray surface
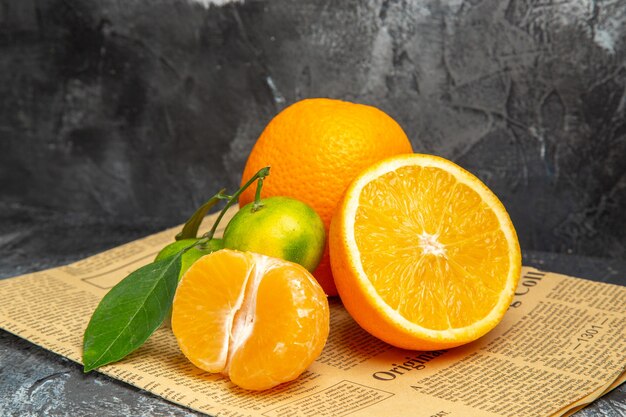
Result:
[137,109]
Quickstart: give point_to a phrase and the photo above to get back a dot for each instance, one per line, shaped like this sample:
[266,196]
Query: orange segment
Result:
[205,305]
[424,255]
[291,319]
[260,320]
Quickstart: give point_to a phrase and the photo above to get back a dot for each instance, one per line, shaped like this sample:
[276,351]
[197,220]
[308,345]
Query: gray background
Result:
[135,112]
[118,118]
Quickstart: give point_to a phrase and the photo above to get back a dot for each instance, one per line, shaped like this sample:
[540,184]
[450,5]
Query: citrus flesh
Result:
[424,255]
[259,320]
[315,147]
[281,227]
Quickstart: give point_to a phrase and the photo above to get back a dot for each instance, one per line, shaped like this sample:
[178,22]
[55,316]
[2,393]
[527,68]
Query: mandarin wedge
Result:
[423,254]
[259,320]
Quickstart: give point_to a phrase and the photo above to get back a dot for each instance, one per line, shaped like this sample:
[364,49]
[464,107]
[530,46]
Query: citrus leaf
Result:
[130,312]
[190,229]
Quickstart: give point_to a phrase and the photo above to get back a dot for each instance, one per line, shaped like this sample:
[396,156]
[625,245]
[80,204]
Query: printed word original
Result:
[412,363]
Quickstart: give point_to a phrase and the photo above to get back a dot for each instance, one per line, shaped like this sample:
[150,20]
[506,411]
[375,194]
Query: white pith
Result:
[243,323]
[428,243]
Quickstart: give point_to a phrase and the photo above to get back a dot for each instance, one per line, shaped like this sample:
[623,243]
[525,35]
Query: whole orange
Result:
[315,147]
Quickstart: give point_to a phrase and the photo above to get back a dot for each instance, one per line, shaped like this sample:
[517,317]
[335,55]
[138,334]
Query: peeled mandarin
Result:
[261,321]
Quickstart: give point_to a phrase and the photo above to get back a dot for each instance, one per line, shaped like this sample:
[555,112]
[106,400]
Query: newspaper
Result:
[562,344]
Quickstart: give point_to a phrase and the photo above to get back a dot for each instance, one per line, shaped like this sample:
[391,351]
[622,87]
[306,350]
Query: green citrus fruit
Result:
[282,227]
[192,254]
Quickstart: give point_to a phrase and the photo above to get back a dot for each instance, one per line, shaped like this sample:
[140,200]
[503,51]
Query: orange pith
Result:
[424,255]
[259,320]
[315,147]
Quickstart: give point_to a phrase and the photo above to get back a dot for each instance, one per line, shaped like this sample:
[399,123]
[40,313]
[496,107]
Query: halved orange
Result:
[259,320]
[423,254]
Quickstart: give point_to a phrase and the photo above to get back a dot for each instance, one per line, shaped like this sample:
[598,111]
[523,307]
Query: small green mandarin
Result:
[282,227]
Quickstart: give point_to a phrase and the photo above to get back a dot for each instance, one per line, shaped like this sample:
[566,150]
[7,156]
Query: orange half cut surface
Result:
[423,254]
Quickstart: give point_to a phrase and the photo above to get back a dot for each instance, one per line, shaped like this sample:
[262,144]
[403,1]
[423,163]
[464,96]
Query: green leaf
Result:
[190,229]
[130,312]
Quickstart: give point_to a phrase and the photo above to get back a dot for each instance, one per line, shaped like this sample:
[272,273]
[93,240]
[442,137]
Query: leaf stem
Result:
[260,175]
